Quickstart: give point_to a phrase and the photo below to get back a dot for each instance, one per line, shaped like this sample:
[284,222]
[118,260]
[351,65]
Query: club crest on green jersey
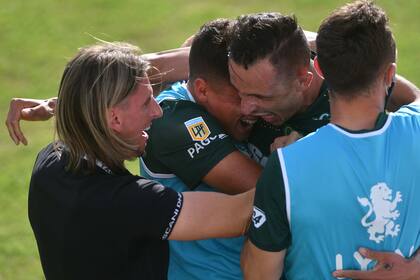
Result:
[197,128]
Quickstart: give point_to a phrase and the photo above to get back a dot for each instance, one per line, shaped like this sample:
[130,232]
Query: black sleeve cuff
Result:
[174,218]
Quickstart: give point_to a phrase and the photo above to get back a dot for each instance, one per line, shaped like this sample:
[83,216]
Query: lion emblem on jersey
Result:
[383,207]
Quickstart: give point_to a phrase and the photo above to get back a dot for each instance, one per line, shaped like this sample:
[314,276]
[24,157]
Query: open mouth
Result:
[271,118]
[144,134]
[247,122]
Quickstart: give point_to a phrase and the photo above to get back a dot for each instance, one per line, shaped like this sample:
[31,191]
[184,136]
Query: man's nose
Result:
[248,107]
[157,110]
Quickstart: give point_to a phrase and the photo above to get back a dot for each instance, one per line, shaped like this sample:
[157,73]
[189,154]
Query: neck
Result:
[358,113]
[312,92]
[190,87]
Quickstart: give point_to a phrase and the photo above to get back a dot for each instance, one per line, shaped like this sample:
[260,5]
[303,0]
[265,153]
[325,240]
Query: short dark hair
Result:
[279,37]
[208,54]
[354,43]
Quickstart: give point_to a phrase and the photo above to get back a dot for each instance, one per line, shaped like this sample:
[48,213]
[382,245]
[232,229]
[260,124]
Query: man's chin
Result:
[241,133]
[241,136]
[137,151]
[135,154]
[141,151]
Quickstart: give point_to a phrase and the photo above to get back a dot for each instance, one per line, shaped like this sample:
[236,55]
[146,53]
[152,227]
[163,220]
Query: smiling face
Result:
[134,115]
[224,103]
[264,92]
[209,79]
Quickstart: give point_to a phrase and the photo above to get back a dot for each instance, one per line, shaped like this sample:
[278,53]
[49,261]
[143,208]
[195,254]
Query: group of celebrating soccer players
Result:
[222,176]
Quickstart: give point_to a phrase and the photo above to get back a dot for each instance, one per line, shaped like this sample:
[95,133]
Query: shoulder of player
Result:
[311,142]
[179,107]
[177,122]
[408,118]
[412,109]
[48,158]
[177,112]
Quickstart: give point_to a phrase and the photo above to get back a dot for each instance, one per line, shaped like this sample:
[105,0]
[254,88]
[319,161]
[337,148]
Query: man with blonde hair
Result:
[180,165]
[91,217]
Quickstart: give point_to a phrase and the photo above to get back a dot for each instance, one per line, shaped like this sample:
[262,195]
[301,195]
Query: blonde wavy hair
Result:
[97,78]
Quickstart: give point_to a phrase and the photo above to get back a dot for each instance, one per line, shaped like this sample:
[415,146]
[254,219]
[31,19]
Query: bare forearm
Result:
[27,109]
[405,92]
[260,264]
[226,178]
[168,66]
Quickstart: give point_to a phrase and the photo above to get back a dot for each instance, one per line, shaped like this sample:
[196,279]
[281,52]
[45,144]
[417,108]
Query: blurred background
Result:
[38,37]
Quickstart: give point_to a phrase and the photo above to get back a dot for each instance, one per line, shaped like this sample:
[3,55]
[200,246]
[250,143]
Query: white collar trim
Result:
[366,134]
[184,85]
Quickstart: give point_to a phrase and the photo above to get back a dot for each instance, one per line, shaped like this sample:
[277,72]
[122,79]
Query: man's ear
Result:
[113,119]
[390,74]
[318,68]
[201,90]
[305,78]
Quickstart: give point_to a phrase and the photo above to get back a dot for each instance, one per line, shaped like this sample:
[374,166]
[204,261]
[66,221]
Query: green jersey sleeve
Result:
[187,142]
[269,229]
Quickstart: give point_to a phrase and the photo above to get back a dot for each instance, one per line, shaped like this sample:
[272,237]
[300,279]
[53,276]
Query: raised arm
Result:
[405,92]
[29,110]
[168,66]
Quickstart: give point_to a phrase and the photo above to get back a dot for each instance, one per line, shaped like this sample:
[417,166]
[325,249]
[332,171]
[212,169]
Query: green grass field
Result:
[38,37]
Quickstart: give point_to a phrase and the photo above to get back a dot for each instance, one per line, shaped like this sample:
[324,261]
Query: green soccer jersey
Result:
[184,145]
[269,229]
[263,134]
[185,142]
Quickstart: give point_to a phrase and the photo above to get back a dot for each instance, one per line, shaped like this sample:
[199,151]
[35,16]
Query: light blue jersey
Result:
[345,190]
[204,259]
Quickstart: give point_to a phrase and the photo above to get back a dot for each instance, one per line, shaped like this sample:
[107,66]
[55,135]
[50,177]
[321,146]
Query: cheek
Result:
[142,120]
[294,101]
[231,109]
[134,121]
[262,104]
[226,115]
[253,101]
